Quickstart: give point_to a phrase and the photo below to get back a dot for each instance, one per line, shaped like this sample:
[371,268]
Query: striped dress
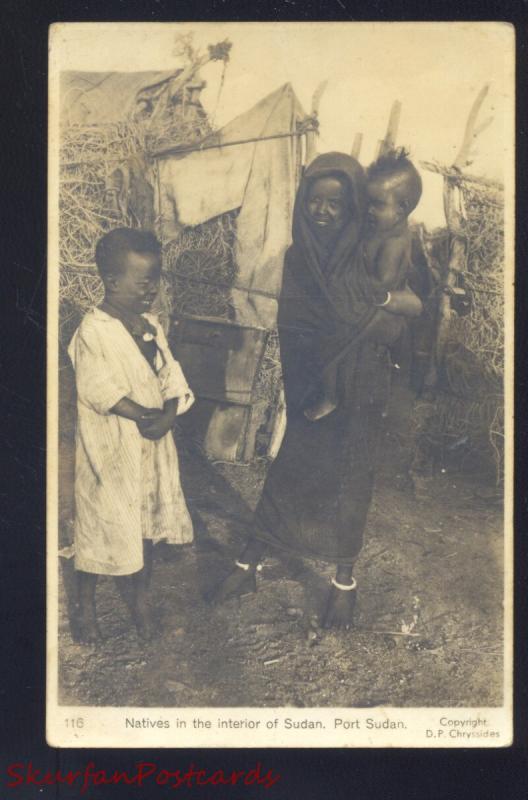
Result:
[127,488]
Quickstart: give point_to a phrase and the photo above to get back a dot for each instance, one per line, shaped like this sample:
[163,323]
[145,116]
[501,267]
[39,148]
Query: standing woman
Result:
[318,490]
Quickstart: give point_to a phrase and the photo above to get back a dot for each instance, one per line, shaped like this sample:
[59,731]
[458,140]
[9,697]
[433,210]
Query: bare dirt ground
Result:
[268,650]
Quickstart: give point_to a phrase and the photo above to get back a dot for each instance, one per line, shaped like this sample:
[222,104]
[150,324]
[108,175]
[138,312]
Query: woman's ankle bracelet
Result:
[246,567]
[343,586]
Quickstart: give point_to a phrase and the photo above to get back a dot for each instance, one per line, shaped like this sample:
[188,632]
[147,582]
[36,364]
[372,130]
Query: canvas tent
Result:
[100,98]
[252,165]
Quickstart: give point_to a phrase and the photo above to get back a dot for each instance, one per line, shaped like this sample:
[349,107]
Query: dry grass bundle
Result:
[173,127]
[460,429]
[482,332]
[200,268]
[468,413]
[88,155]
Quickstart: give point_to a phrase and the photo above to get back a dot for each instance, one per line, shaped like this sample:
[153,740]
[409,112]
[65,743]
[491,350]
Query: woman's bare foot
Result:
[339,612]
[320,410]
[236,584]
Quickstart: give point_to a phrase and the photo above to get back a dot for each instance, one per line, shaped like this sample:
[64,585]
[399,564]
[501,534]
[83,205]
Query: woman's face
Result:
[327,205]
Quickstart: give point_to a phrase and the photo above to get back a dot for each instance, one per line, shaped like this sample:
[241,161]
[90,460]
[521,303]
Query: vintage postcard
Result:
[280,370]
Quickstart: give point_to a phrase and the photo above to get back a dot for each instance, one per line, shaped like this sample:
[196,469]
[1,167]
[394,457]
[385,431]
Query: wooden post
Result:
[456,223]
[389,141]
[472,131]
[311,135]
[311,146]
[356,145]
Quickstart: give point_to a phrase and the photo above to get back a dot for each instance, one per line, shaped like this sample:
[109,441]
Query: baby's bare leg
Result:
[89,632]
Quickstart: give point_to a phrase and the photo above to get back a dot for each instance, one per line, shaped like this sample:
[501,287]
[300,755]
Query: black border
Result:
[305,773]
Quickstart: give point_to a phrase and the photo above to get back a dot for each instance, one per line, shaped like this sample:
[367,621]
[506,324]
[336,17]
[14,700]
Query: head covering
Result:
[305,237]
[325,301]
[332,276]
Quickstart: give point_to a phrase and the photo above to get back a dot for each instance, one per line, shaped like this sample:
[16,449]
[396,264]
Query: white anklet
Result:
[245,567]
[342,585]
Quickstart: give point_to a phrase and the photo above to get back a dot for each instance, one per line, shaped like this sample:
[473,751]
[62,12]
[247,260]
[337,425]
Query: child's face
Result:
[136,286]
[326,205]
[385,209]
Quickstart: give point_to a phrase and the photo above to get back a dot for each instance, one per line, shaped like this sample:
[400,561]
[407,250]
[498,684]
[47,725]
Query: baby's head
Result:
[129,263]
[394,188]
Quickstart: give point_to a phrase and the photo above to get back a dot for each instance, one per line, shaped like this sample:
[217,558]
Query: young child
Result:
[394,188]
[130,390]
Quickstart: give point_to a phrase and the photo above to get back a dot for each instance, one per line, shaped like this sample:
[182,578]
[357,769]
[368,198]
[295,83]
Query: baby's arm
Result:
[404,303]
[384,328]
[392,267]
[388,322]
[392,260]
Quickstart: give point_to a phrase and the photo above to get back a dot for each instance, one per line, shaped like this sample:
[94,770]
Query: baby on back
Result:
[394,188]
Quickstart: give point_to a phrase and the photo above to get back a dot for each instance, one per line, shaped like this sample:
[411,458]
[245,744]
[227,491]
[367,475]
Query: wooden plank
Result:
[219,428]
[356,145]
[219,358]
[389,142]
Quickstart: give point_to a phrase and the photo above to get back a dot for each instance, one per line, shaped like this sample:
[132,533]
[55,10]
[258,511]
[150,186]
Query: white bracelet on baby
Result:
[343,587]
[385,302]
[245,567]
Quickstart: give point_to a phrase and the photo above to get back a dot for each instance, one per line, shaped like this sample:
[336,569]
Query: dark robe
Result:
[318,490]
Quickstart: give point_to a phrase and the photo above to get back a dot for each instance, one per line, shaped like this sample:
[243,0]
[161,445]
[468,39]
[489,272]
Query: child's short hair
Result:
[113,246]
[396,163]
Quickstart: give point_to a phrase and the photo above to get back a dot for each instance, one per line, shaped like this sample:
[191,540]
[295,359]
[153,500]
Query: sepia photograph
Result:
[280,384]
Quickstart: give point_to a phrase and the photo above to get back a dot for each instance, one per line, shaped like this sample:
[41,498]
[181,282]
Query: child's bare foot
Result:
[236,584]
[339,612]
[143,622]
[88,631]
[320,410]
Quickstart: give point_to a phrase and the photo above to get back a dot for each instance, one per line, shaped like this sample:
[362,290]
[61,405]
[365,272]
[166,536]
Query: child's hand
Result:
[154,424]
[149,414]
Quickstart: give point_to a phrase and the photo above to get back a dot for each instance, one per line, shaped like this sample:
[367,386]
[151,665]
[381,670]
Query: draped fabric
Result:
[326,295]
[318,490]
[253,169]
